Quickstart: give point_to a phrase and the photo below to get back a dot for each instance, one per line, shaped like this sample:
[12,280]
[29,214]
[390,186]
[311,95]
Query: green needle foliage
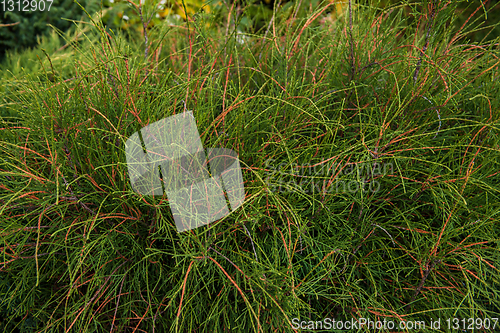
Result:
[369,146]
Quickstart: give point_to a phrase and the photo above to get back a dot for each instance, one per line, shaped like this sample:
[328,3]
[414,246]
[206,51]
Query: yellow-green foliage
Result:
[254,14]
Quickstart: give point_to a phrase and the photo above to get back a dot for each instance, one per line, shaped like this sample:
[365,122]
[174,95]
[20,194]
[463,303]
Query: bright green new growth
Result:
[410,106]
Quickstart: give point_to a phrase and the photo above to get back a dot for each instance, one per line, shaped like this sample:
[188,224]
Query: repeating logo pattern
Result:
[173,162]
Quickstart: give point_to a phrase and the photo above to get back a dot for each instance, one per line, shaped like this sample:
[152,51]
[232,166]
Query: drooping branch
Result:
[353,68]
[426,45]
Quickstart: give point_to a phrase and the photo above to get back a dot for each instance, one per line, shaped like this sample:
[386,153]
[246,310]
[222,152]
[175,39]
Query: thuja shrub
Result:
[342,99]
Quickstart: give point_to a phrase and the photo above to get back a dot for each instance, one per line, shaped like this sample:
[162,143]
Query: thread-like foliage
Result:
[369,146]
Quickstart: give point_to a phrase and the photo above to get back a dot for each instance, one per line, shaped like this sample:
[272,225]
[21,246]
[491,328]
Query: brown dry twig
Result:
[424,278]
[355,250]
[144,26]
[429,26]
[353,68]
[9,24]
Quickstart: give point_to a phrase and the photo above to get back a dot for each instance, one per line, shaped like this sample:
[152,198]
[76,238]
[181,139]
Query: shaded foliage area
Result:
[23,28]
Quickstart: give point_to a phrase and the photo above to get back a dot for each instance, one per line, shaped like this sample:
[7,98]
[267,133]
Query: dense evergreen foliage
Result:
[368,140]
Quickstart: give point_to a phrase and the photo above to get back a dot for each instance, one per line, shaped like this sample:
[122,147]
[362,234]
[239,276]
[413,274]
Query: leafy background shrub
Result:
[254,17]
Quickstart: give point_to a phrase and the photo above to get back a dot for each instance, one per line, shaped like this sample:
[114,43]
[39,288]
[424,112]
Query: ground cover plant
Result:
[369,149]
